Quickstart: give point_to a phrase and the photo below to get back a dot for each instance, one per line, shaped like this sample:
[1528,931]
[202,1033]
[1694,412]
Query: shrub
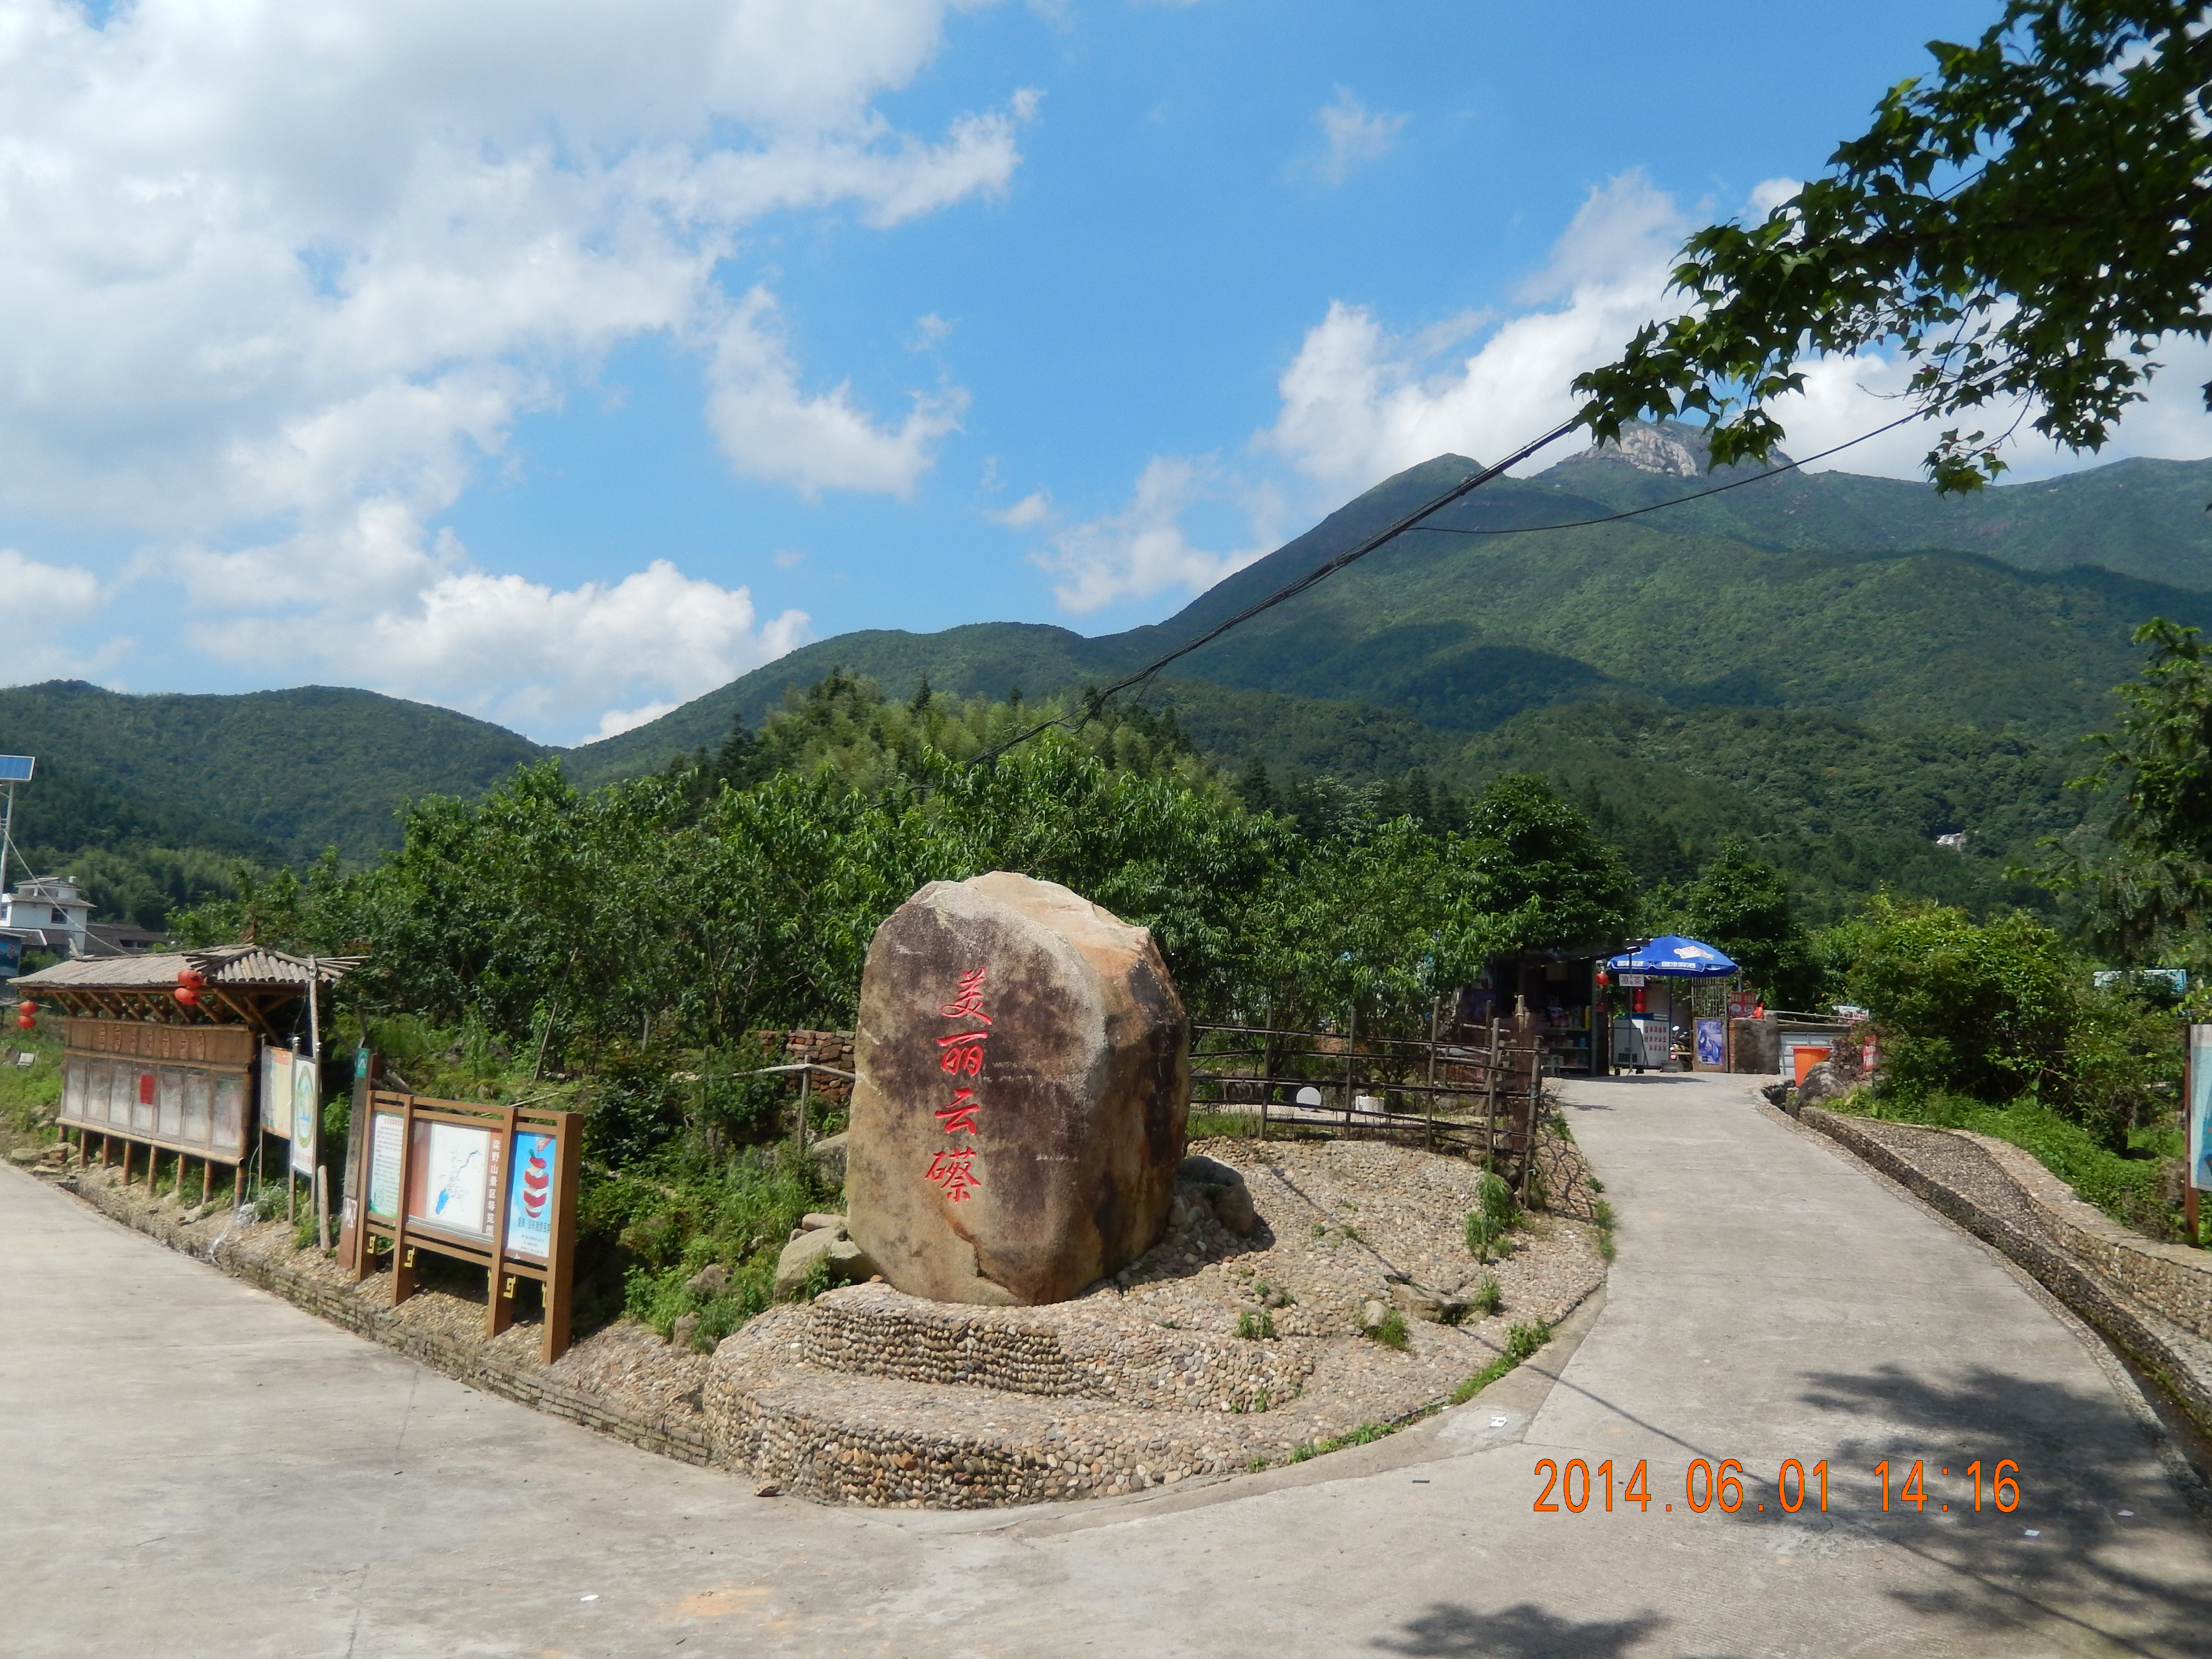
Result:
[1391,1330]
[1997,1010]
[1255,1325]
[1493,1217]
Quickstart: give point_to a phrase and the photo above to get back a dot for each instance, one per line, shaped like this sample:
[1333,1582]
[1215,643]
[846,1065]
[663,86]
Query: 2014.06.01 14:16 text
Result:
[1570,1488]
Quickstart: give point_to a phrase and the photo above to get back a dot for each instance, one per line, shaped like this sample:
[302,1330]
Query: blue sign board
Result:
[15,769]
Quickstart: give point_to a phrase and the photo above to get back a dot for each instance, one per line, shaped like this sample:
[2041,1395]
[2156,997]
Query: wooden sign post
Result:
[491,1185]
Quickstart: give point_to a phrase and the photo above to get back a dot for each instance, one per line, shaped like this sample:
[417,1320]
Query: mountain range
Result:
[1845,666]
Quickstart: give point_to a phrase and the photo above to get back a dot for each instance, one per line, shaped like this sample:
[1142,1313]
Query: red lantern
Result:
[25,1020]
[27,1006]
[187,994]
[191,977]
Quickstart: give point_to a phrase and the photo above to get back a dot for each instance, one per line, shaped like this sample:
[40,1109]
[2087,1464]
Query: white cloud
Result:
[282,277]
[1027,513]
[528,654]
[1143,548]
[1360,403]
[616,721]
[1355,135]
[40,600]
[770,429]
[39,593]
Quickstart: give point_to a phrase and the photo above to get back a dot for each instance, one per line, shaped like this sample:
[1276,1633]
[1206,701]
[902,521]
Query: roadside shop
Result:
[1660,1017]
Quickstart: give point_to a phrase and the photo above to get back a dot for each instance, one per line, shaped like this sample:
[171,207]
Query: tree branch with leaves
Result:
[2024,226]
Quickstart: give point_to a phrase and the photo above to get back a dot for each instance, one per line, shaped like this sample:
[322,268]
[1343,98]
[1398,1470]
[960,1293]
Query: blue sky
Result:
[559,363]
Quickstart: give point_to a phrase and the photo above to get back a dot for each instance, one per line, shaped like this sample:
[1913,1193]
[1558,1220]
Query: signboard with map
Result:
[493,1186]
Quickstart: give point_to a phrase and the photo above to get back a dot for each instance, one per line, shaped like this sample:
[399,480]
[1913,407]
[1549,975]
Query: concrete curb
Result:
[2091,1265]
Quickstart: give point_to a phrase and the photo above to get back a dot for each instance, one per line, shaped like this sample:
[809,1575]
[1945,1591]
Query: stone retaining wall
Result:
[819,1048]
[2152,1300]
[873,1330]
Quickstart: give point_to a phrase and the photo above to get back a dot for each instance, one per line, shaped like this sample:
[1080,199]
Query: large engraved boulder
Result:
[1025,1076]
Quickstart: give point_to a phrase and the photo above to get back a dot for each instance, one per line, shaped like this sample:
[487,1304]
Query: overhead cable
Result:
[1094,702]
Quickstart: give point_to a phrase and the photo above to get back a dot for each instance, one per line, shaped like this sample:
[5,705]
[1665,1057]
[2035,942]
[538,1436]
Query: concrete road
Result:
[190,1467]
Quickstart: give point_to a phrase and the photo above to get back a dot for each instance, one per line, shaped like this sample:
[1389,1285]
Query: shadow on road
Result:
[2098,1540]
[1522,1632]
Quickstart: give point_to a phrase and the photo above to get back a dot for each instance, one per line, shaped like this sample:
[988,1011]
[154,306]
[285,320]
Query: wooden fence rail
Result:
[1476,1093]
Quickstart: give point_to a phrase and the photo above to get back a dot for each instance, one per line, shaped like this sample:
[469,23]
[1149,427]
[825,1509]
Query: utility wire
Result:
[1094,702]
[1675,500]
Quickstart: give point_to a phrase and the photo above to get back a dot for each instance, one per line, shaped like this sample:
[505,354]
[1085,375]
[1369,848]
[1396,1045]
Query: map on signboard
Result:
[384,1137]
[529,1196]
[452,1179]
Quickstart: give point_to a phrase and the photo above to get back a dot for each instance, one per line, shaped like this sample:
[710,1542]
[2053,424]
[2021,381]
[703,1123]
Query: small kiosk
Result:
[169,1052]
[1643,1040]
[1558,991]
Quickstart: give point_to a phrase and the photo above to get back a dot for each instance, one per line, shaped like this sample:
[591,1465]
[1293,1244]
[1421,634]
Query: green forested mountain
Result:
[1843,667]
[270,774]
[1869,598]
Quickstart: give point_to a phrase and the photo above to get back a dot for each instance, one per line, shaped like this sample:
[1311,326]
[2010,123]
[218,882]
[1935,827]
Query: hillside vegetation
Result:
[1839,668]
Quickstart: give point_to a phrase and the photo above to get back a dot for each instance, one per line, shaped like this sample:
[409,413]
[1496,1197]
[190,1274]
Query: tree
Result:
[1741,904]
[2024,226]
[1997,1010]
[2148,878]
[1536,858]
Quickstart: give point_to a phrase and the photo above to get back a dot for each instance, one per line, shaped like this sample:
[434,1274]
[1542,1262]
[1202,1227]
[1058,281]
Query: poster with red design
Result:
[530,1195]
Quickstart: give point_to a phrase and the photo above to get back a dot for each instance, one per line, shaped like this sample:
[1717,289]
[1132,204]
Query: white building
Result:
[47,913]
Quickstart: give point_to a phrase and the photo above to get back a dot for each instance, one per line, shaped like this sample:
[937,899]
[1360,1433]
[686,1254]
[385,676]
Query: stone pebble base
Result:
[870,1397]
[2152,1300]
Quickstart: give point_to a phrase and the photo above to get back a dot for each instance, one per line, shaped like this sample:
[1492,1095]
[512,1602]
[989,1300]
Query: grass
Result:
[1227,1126]
[1391,1330]
[1521,1342]
[1602,1212]
[2130,1190]
[1364,1435]
[1255,1325]
[1488,1297]
[1493,1217]
[30,1094]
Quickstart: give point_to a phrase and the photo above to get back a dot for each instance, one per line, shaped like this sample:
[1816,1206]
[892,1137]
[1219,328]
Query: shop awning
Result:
[1672,956]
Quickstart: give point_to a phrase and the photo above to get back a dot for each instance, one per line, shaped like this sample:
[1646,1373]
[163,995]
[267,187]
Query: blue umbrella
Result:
[1673,956]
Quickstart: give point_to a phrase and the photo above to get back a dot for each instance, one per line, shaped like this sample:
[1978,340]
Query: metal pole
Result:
[7,837]
[1351,1052]
[1267,1064]
[1436,1014]
[1490,1101]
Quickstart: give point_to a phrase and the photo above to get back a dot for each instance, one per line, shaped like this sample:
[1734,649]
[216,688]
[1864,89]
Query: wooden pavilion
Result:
[142,1068]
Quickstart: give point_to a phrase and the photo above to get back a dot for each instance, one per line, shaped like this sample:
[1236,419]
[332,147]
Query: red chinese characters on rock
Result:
[953,1170]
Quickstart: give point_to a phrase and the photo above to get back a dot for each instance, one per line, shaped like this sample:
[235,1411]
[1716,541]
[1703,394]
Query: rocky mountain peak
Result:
[1667,449]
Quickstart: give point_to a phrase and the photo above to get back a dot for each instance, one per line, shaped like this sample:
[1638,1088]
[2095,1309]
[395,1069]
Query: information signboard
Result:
[491,1185]
[197,1110]
[306,1113]
[277,1093]
[2199,1076]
